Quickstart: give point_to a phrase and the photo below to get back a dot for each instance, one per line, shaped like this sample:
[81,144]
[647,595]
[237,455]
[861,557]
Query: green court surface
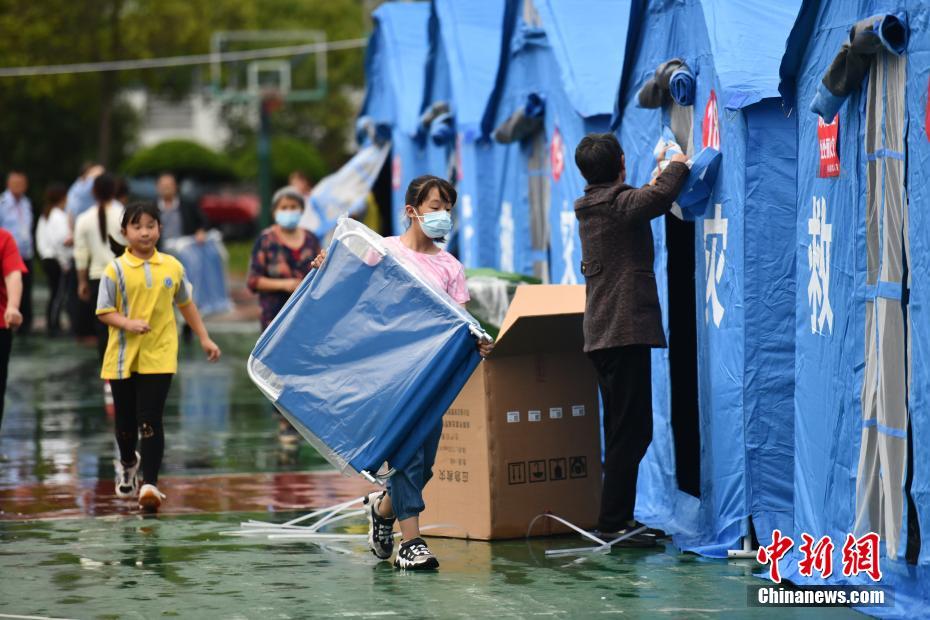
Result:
[68,549]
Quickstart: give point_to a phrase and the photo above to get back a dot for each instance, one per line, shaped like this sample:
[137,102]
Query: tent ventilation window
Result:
[682,321]
[885,461]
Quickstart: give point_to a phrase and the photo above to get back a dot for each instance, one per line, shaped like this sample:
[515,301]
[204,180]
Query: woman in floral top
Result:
[282,255]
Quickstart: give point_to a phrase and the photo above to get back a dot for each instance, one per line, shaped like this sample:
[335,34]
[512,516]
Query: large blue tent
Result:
[862,419]
[726,281]
[559,69]
[394,69]
[465,40]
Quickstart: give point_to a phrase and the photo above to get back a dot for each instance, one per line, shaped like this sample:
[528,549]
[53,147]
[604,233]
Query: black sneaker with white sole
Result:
[415,555]
[380,529]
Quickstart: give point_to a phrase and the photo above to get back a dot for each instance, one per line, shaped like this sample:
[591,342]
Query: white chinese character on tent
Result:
[714,260]
[567,224]
[818,260]
[506,237]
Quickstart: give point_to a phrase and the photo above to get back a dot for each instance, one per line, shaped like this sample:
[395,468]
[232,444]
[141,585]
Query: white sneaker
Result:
[150,498]
[127,478]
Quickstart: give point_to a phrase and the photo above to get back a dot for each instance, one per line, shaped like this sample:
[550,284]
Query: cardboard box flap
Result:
[543,318]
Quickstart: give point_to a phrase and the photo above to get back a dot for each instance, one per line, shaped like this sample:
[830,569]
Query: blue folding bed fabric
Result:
[366,356]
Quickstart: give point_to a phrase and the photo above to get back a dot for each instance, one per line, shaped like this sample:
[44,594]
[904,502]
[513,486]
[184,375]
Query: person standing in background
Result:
[178,218]
[92,251]
[53,245]
[11,287]
[16,218]
[80,199]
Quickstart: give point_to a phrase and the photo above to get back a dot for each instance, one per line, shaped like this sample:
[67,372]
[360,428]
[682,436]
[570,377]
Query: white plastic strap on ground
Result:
[602,545]
[324,516]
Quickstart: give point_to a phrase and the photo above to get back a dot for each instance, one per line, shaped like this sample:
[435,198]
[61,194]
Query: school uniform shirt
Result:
[90,251]
[146,290]
[10,261]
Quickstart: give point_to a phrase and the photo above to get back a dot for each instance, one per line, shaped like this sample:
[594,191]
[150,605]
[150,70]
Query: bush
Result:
[287,154]
[182,157]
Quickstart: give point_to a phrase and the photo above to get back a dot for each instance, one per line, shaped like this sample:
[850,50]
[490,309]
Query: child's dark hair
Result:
[599,158]
[421,186]
[55,195]
[104,190]
[131,215]
[136,210]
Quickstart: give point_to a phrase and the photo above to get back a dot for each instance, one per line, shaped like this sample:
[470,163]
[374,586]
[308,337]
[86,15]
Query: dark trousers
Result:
[140,404]
[25,305]
[625,378]
[6,343]
[56,294]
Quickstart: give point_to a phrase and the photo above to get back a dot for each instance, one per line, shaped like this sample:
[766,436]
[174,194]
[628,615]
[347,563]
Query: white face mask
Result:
[435,225]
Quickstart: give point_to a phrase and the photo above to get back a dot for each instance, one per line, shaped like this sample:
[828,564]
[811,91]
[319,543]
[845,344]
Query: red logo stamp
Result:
[827,136]
[557,155]
[710,131]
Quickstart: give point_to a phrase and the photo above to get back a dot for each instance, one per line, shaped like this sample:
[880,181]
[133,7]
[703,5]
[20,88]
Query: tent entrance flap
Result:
[682,351]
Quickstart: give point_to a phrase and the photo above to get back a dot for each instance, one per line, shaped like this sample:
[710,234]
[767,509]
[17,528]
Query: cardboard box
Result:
[523,436]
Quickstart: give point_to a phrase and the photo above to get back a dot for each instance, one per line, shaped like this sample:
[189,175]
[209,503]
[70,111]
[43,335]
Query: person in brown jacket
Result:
[622,319]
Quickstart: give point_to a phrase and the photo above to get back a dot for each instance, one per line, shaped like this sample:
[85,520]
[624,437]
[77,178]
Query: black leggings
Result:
[140,403]
[56,294]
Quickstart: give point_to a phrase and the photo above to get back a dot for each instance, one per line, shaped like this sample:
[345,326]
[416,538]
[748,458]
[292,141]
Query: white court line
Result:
[30,617]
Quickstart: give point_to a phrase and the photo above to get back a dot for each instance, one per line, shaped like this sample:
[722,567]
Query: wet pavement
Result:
[69,549]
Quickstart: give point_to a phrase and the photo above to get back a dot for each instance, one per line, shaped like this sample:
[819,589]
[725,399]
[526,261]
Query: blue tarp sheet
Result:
[744,275]
[365,357]
[205,267]
[831,360]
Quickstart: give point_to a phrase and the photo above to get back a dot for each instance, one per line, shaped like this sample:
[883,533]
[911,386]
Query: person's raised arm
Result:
[656,199]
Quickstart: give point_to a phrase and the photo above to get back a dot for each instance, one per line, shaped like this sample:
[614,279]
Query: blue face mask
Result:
[435,225]
[287,219]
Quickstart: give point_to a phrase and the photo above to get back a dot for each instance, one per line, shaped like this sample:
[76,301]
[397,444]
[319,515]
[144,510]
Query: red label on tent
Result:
[827,134]
[395,172]
[710,132]
[557,155]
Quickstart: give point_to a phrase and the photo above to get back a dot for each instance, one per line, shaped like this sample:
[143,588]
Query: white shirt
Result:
[51,234]
[90,251]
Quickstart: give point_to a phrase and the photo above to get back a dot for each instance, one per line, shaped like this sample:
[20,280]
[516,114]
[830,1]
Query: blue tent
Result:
[726,281]
[394,69]
[465,40]
[559,69]
[862,417]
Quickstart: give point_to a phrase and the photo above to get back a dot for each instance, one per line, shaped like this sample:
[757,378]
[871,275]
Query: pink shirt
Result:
[444,271]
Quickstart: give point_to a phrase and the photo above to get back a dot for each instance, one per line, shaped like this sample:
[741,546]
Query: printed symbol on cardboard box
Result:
[513,417]
[537,471]
[577,411]
[534,416]
[578,467]
[555,413]
[557,469]
[516,473]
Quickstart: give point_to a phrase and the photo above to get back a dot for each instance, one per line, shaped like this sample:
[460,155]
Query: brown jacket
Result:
[622,305]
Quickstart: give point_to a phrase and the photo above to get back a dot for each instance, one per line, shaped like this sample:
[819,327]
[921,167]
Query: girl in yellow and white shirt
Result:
[138,292]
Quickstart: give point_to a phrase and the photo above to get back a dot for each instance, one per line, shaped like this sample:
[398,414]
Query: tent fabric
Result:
[844,264]
[744,384]
[394,62]
[205,267]
[365,357]
[572,61]
[465,40]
